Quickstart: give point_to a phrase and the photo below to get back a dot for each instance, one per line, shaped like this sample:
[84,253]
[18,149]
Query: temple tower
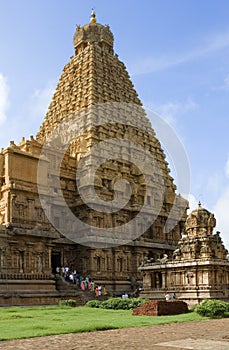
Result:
[95,85]
[96,100]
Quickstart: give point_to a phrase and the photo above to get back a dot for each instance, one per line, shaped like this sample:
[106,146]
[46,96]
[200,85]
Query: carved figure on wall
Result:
[177,253]
[39,263]
[164,259]
[189,276]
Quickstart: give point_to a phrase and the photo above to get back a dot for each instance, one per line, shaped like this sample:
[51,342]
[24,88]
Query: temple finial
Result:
[93,17]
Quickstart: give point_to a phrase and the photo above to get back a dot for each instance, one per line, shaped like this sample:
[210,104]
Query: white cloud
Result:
[227,168]
[4,98]
[221,210]
[193,202]
[224,86]
[170,110]
[226,82]
[214,183]
[222,216]
[208,46]
[41,99]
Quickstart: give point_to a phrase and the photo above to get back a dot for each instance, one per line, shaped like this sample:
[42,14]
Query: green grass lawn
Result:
[16,322]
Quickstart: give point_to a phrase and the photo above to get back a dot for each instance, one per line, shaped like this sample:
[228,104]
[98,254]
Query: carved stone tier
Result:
[94,84]
[199,269]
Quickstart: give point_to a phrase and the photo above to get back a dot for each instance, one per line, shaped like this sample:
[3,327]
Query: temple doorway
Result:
[55,261]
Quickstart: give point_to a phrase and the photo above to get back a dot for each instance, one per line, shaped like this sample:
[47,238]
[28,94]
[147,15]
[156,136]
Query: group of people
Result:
[71,275]
[100,290]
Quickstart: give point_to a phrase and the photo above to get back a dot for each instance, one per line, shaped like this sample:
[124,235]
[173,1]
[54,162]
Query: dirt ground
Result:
[204,335]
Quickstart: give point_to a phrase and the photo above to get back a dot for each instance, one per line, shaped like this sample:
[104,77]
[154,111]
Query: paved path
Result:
[204,335]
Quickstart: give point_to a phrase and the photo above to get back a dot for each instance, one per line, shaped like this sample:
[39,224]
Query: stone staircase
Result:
[68,290]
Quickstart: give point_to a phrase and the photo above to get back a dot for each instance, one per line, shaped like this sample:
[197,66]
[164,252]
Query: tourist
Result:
[125,296]
[167,296]
[71,278]
[89,285]
[96,291]
[74,276]
[100,290]
[104,291]
[63,271]
[174,297]
[92,286]
[87,281]
[80,280]
[82,285]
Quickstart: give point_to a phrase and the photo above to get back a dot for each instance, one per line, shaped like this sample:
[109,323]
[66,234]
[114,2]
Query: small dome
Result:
[93,32]
[200,218]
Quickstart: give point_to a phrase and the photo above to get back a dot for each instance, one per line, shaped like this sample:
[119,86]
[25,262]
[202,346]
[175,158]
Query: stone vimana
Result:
[45,223]
[199,268]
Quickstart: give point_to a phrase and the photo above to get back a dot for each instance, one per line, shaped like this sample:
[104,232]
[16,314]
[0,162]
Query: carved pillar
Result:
[113,266]
[2,259]
[30,210]
[21,261]
[40,263]
[11,206]
[147,281]
[164,279]
[1,262]
[50,258]
[90,261]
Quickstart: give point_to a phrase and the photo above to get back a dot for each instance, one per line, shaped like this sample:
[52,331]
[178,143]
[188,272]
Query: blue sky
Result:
[176,51]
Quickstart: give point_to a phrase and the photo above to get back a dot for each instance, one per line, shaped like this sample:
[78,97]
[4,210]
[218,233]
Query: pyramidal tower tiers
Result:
[39,201]
[94,75]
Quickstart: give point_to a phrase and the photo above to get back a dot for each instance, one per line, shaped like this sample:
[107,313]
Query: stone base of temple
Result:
[153,295]
[23,299]
[47,298]
[195,296]
[39,289]
[28,289]
[191,296]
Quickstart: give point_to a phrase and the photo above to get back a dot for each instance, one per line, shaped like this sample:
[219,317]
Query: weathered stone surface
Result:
[29,244]
[199,268]
[160,308]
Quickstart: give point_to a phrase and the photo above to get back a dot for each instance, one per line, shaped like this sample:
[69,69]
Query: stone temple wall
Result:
[42,179]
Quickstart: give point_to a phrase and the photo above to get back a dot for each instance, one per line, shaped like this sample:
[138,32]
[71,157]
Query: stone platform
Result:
[160,308]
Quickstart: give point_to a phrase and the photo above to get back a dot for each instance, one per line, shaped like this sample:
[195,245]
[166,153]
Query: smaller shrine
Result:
[198,269]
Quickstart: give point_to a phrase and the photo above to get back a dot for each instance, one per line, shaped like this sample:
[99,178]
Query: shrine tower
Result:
[96,94]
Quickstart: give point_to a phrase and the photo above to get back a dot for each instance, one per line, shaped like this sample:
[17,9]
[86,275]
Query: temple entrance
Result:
[55,261]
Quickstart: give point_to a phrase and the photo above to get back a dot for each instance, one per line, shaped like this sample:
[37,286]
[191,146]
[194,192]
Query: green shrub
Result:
[117,303]
[227,305]
[212,308]
[69,302]
[94,303]
[136,302]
